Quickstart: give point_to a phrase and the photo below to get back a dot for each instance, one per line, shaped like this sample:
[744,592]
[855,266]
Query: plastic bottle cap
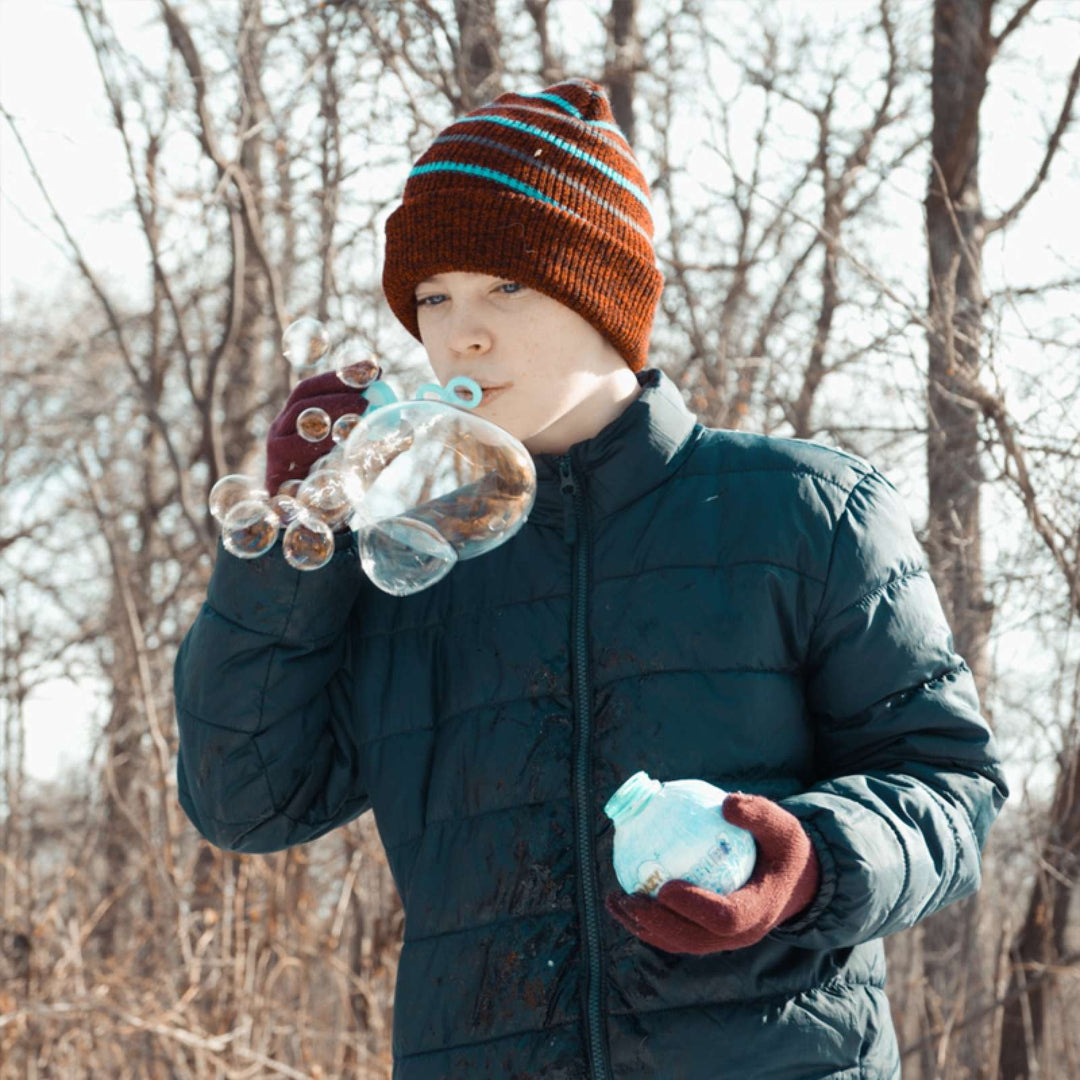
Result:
[632,795]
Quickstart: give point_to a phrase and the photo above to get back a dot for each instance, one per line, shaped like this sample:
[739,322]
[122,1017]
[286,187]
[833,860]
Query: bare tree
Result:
[169,397]
[739,267]
[623,61]
[964,48]
[250,146]
[479,63]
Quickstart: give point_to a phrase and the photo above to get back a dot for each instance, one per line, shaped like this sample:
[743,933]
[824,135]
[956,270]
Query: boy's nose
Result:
[469,337]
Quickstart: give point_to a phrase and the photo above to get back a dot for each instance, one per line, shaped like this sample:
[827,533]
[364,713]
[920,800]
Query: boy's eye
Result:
[507,288]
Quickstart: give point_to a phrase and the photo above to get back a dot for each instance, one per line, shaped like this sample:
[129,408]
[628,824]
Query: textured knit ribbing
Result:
[541,188]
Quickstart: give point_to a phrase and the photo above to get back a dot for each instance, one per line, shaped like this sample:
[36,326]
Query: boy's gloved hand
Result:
[686,919]
[288,455]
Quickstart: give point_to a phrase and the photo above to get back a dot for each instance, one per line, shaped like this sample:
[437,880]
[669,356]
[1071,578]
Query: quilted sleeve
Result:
[909,777]
[268,753]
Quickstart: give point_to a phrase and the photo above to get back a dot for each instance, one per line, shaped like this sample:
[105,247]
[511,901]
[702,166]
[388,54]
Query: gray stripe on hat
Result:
[587,127]
[528,159]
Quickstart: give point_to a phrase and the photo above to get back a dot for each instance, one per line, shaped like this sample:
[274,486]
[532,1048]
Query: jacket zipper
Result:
[573,514]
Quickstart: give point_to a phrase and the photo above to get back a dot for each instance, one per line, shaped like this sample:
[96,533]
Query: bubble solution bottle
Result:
[676,830]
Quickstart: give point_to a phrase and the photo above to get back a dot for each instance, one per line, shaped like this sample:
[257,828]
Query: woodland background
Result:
[836,269]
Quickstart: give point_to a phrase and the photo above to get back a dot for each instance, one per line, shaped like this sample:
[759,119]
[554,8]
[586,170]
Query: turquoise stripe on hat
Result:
[562,144]
[573,111]
[488,174]
[556,100]
[535,163]
[592,128]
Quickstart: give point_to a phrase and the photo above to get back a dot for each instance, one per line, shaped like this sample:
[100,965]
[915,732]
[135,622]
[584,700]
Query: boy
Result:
[751,611]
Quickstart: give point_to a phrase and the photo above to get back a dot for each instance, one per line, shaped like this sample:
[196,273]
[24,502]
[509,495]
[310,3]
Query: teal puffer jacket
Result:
[748,610]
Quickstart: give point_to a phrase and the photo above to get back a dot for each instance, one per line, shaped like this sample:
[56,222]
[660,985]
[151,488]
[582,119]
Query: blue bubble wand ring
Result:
[384,394]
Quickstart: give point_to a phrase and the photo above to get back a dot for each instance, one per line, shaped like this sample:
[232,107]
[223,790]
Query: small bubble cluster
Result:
[308,511]
[306,345]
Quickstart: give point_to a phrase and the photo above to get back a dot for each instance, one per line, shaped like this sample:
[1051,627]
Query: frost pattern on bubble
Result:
[285,506]
[323,494]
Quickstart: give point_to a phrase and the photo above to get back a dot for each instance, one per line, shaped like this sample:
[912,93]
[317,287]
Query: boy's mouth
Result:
[488,391]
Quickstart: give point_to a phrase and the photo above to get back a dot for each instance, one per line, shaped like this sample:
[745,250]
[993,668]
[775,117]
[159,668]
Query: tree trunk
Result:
[955,234]
[329,172]
[550,65]
[122,767]
[1041,940]
[624,57]
[250,360]
[479,63]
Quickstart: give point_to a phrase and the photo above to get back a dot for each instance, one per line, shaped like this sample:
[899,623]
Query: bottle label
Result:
[686,838]
[651,875]
[718,869]
[714,858]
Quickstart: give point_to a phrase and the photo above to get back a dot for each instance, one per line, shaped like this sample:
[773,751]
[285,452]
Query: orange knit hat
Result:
[539,188]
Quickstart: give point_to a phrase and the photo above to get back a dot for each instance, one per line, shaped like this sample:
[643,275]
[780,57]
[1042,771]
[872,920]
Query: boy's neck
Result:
[610,402]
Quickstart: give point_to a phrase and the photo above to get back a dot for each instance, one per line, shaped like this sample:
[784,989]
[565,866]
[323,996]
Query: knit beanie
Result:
[539,188]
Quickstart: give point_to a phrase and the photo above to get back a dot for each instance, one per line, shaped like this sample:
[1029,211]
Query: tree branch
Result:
[182,41]
[1064,119]
[1066,965]
[1019,16]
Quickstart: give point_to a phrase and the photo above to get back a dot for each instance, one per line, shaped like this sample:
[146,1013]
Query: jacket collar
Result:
[635,453]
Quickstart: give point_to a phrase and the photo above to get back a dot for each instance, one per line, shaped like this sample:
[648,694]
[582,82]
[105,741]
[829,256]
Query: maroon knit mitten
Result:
[686,919]
[288,455]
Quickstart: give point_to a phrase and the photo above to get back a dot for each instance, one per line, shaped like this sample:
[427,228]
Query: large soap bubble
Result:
[426,478]
[343,426]
[403,555]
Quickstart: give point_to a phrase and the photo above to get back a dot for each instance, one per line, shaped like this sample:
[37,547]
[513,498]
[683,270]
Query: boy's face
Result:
[558,375]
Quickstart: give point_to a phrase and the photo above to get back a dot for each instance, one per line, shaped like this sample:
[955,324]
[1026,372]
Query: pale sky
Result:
[50,83]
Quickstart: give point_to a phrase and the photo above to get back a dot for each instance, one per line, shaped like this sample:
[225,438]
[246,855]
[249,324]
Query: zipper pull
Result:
[568,487]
